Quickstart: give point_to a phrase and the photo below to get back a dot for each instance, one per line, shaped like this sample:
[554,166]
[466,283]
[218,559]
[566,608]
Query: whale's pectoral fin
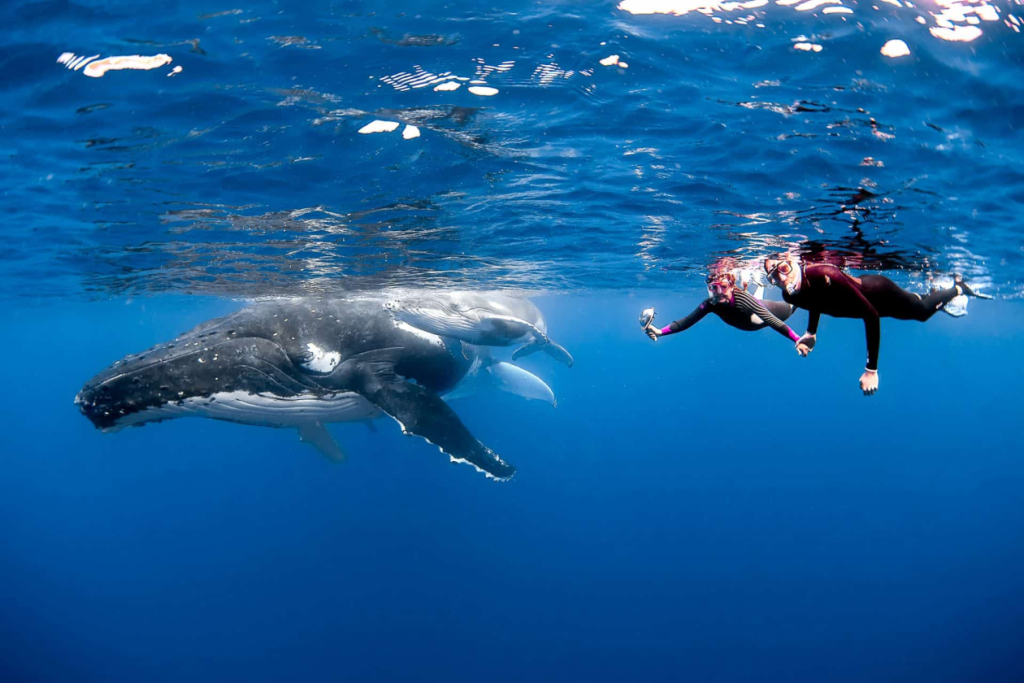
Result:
[419,411]
[422,413]
[515,380]
[317,436]
[556,351]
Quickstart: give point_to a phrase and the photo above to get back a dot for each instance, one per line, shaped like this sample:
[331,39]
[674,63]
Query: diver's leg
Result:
[892,301]
[780,309]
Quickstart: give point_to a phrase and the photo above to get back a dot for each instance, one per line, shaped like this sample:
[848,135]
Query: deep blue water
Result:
[707,508]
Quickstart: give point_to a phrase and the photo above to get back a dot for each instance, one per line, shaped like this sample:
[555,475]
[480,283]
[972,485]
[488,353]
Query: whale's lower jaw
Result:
[259,409]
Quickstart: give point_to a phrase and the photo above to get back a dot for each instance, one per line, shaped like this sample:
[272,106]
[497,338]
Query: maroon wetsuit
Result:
[826,289]
[738,313]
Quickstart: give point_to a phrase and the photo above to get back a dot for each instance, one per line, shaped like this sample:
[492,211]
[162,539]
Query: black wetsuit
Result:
[826,289]
[738,313]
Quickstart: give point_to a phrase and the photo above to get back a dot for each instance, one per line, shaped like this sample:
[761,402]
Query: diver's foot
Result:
[965,289]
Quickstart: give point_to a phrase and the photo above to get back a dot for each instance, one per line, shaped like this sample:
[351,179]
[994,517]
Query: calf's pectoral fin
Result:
[553,349]
[317,436]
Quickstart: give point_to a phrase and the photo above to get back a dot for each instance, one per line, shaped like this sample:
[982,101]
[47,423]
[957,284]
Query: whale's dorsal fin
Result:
[317,436]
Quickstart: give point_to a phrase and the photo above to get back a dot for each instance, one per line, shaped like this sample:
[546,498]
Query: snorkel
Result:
[786,274]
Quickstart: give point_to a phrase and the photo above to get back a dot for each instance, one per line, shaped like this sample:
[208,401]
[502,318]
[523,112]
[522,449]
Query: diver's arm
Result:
[689,321]
[752,306]
[873,332]
[813,317]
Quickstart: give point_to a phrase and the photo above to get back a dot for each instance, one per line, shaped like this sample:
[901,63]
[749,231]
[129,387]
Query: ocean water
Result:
[707,508]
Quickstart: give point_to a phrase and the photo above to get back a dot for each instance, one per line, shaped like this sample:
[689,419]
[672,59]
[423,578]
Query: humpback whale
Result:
[307,362]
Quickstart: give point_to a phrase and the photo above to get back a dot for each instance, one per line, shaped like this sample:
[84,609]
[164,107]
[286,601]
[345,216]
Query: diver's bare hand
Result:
[805,344]
[869,382]
[652,332]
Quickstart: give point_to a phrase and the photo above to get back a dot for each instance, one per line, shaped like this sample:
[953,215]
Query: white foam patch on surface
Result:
[483,91]
[956,34]
[954,20]
[447,86]
[815,4]
[677,7]
[99,68]
[379,126]
[321,360]
[410,132]
[96,69]
[807,47]
[610,60]
[895,48]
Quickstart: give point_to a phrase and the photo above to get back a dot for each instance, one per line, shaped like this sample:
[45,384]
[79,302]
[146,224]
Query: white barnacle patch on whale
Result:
[321,360]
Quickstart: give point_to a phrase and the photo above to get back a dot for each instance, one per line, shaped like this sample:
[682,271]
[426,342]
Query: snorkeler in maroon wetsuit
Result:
[823,288]
[734,306]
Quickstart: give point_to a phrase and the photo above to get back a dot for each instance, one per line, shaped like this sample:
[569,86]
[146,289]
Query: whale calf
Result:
[484,318]
[304,363]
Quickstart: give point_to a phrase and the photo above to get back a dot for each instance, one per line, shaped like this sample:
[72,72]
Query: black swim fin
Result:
[958,281]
